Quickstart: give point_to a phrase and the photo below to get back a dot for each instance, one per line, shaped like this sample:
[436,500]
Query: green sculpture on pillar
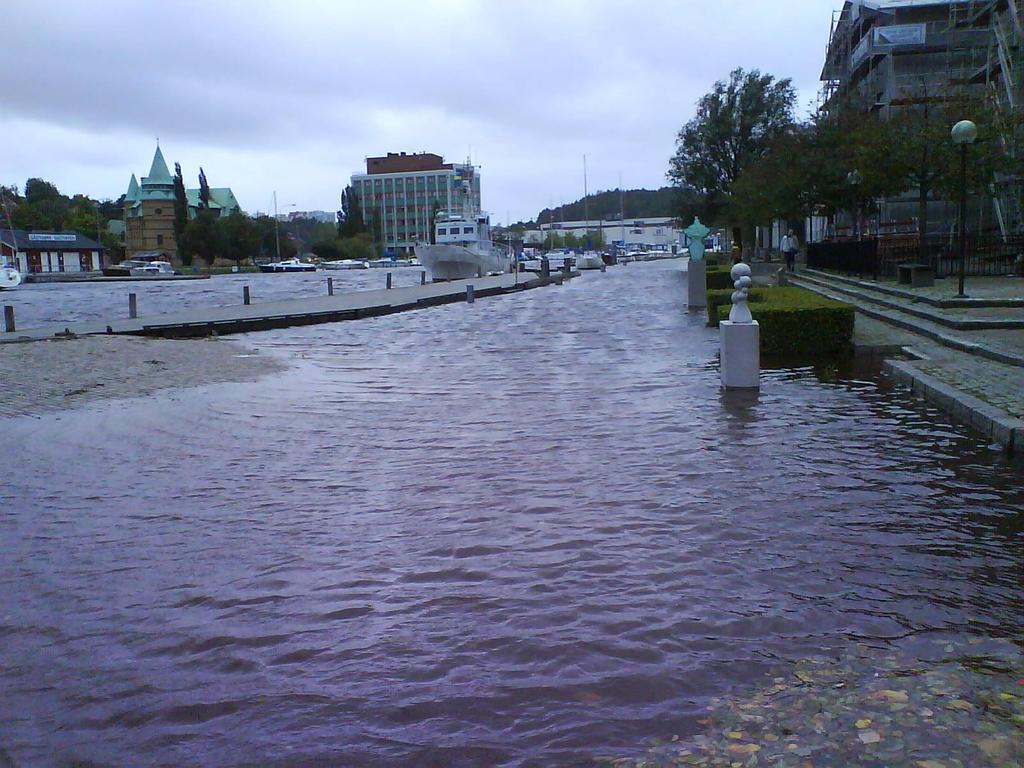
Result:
[696,232]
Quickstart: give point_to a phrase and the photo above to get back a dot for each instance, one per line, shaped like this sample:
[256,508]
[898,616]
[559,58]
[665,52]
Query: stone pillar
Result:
[697,285]
[740,338]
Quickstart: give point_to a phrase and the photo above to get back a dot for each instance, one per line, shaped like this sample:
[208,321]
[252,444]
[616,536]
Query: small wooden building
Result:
[41,252]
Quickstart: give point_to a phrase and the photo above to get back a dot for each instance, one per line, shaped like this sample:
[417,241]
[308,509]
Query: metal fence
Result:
[986,255]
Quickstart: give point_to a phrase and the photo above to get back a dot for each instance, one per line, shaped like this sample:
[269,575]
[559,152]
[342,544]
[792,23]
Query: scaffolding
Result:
[884,55]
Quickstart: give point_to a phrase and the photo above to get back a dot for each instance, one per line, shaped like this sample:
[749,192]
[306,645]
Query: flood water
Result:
[39,304]
[527,531]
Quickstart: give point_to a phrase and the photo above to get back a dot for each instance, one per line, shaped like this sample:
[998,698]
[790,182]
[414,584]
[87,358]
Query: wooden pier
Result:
[257,316]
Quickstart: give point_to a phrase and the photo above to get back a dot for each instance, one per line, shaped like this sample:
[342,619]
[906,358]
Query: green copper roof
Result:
[221,198]
[133,191]
[158,173]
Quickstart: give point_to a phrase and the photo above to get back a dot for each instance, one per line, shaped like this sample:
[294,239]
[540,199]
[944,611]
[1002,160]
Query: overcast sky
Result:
[293,96]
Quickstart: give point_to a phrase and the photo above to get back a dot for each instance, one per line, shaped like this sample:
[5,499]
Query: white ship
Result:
[462,248]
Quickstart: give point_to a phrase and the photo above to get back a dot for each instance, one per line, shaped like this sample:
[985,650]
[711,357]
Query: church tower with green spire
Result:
[149,210]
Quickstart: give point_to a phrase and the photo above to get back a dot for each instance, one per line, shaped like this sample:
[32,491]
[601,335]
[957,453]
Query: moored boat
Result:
[139,268]
[344,264]
[462,248]
[9,277]
[589,260]
[288,265]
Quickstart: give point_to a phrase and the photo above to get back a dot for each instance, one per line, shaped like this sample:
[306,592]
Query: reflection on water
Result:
[527,531]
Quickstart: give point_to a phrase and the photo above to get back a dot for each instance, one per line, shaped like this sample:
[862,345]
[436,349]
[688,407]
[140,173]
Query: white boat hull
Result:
[589,261]
[9,278]
[456,262]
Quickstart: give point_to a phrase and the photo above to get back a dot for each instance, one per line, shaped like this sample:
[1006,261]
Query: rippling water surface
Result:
[526,531]
[37,304]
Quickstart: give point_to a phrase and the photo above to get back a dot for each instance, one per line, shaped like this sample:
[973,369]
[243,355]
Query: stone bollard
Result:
[245,295]
[479,272]
[389,280]
[8,318]
[423,277]
[545,268]
[740,337]
[133,307]
[469,294]
[330,286]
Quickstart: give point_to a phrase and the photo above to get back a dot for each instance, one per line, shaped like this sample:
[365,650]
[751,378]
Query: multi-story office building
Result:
[400,194]
[889,55]
[653,232]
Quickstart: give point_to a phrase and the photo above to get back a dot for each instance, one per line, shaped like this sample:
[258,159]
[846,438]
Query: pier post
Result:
[603,266]
[8,318]
[545,267]
[389,280]
[479,272]
[330,286]
[469,294]
[245,295]
[423,277]
[133,307]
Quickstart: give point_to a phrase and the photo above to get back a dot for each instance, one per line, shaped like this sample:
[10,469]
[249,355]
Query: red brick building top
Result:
[400,162]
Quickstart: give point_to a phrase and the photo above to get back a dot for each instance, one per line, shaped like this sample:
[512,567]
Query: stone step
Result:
[947,303]
[880,295]
[894,315]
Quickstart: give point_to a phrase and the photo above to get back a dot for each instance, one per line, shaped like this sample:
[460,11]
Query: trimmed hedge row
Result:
[720,296]
[718,277]
[794,322]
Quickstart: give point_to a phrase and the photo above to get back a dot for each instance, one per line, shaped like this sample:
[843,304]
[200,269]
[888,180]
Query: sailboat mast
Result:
[622,214]
[586,210]
[10,226]
[277,232]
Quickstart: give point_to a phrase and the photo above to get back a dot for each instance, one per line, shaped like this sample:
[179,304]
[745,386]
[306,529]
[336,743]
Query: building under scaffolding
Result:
[887,55]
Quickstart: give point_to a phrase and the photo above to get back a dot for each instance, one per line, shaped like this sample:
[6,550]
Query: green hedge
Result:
[718,276]
[721,296]
[796,323]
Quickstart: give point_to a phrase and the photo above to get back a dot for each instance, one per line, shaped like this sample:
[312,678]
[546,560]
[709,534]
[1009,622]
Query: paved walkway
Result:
[953,356]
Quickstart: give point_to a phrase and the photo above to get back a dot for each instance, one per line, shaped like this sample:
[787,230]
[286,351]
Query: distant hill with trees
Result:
[636,204]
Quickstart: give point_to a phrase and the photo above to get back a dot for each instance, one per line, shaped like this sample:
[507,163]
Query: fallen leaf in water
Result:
[869,737]
[960,704]
[864,723]
[929,764]
[899,697]
[744,749]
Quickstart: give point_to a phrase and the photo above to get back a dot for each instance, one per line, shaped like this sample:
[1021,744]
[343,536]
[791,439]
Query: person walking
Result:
[790,246]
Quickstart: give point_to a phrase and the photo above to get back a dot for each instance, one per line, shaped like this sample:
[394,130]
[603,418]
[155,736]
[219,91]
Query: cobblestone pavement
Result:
[996,384]
[50,375]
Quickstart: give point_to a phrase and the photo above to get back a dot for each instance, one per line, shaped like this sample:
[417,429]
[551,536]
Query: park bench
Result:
[915,275]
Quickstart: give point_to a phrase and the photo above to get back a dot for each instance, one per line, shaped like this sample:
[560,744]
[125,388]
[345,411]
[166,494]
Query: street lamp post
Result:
[964,133]
[853,178]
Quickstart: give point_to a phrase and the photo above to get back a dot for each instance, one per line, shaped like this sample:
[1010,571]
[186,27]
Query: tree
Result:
[180,208]
[203,238]
[326,249]
[44,208]
[204,190]
[435,209]
[735,124]
[350,217]
[239,237]
[358,247]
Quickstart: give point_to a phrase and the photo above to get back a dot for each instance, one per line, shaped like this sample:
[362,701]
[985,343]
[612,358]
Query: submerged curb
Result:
[987,419]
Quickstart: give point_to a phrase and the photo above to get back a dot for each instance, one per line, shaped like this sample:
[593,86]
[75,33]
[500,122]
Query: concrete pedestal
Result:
[740,355]
[697,284]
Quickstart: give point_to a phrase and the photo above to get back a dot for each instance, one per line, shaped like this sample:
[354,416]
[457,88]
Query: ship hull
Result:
[456,262]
